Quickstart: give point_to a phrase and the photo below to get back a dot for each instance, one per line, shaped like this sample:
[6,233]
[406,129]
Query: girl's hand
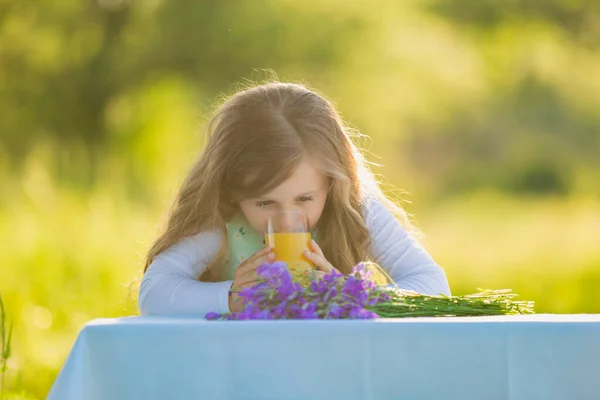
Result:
[317,257]
[246,276]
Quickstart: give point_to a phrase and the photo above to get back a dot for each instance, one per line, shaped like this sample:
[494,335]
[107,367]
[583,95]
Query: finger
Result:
[320,262]
[249,272]
[265,255]
[315,248]
[248,275]
[248,283]
[246,279]
[261,252]
[263,258]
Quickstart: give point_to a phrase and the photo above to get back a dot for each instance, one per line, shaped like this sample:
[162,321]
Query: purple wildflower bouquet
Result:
[335,296]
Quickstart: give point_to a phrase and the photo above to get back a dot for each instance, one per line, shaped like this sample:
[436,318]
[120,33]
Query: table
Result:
[167,357]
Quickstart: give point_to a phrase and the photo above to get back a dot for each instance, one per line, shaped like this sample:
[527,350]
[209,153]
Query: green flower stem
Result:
[488,302]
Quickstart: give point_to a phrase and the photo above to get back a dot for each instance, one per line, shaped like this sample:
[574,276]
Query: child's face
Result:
[305,190]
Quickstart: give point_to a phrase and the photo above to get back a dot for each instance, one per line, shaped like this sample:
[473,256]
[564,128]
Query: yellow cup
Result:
[289,236]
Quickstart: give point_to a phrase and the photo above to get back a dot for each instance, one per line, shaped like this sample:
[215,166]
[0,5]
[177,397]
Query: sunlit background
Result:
[484,115]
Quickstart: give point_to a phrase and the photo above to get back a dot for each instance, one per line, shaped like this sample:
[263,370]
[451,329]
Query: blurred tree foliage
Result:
[460,94]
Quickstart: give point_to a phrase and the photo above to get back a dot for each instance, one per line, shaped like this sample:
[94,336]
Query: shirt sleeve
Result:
[170,284]
[403,258]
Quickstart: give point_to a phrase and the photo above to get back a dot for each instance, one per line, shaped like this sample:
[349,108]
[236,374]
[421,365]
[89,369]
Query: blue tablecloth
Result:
[516,357]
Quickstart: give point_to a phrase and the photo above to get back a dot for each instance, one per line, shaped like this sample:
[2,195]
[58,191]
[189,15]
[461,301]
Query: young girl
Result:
[276,147]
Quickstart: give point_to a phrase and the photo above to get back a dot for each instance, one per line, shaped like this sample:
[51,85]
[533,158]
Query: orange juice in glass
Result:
[289,236]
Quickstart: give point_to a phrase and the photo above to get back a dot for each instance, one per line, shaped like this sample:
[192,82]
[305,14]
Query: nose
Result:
[288,206]
[286,221]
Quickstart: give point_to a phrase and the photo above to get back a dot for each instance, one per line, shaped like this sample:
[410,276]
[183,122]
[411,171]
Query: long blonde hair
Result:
[255,141]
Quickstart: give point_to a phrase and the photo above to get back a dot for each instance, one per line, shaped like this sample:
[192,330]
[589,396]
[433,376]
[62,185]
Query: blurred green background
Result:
[484,113]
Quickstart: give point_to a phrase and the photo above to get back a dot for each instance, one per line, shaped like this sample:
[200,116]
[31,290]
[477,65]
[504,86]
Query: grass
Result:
[544,249]
[75,257]
[5,337]
[5,353]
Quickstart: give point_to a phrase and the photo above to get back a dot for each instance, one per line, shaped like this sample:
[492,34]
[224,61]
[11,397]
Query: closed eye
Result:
[266,203]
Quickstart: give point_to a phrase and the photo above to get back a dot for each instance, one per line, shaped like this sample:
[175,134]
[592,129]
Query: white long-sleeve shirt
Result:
[170,284]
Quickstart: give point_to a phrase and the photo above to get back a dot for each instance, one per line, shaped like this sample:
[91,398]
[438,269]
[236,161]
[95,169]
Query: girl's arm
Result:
[407,263]
[170,284]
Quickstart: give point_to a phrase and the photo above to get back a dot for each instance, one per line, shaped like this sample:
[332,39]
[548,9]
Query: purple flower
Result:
[356,288]
[335,311]
[278,296]
[280,310]
[308,311]
[360,271]
[288,289]
[361,313]
[212,316]
[272,270]
[333,277]
[319,286]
